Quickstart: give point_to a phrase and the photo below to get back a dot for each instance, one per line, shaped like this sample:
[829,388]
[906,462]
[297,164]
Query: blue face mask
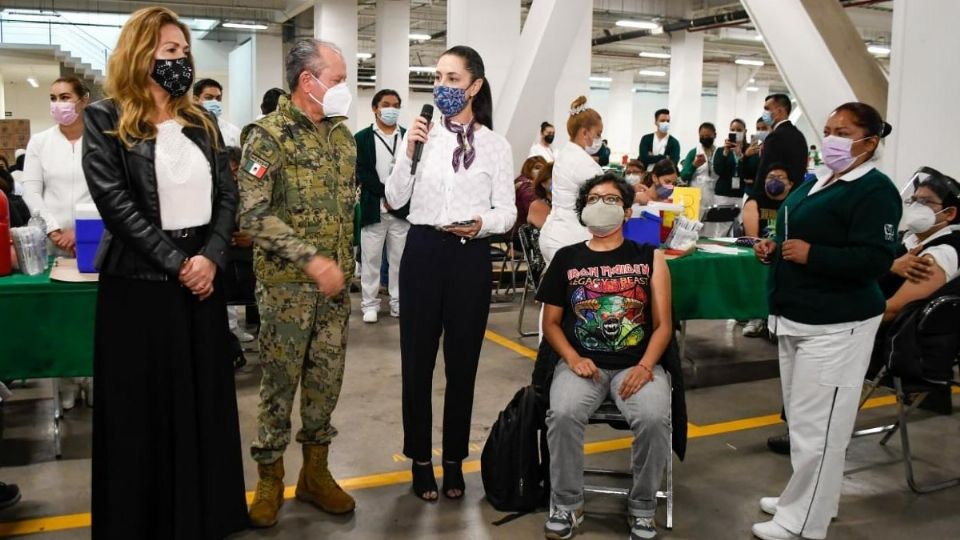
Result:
[664,192]
[767,118]
[389,115]
[775,187]
[214,107]
[450,100]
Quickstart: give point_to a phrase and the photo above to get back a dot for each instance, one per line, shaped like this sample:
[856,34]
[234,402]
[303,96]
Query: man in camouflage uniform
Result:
[297,196]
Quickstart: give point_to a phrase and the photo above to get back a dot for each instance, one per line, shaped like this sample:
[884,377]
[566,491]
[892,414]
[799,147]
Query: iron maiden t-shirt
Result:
[606,298]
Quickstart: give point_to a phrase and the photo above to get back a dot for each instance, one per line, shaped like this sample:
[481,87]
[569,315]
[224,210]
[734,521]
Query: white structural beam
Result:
[924,78]
[686,83]
[575,75]
[393,49]
[831,67]
[618,122]
[336,21]
[539,72]
[492,27]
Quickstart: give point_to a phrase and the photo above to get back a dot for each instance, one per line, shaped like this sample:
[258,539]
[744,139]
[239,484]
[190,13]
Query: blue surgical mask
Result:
[389,115]
[664,127]
[214,107]
[450,100]
[664,192]
[767,118]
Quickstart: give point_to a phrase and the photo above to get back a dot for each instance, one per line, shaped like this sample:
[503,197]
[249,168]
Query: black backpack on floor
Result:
[513,463]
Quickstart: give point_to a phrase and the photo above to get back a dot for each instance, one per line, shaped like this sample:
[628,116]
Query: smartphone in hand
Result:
[466,223]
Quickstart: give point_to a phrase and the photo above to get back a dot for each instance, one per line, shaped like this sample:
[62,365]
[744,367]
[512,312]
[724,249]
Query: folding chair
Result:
[937,339]
[530,246]
[722,213]
[500,252]
[609,414]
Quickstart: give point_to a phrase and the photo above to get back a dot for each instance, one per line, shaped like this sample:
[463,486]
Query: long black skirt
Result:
[167,461]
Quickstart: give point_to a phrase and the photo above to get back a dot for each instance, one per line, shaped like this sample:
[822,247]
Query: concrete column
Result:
[239,92]
[336,21]
[268,67]
[924,76]
[575,76]
[393,50]
[833,65]
[492,27]
[618,121]
[527,97]
[686,85]
[727,93]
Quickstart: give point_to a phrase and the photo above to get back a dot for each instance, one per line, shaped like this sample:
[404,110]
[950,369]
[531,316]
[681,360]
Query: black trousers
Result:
[445,286]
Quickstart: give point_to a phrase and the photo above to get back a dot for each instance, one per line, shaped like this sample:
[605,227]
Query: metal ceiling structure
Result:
[723,41]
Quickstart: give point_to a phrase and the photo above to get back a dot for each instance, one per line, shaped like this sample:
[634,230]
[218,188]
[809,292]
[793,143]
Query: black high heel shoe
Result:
[453,479]
[424,481]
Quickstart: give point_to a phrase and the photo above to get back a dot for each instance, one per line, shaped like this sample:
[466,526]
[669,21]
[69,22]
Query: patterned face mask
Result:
[450,100]
[174,76]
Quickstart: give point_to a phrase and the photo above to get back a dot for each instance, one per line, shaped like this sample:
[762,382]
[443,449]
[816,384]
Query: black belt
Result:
[443,233]
[187,233]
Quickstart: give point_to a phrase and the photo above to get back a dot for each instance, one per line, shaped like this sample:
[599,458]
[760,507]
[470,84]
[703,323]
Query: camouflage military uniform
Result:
[296,184]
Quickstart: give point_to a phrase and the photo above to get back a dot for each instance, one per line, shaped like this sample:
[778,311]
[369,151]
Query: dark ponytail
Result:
[483,101]
[867,118]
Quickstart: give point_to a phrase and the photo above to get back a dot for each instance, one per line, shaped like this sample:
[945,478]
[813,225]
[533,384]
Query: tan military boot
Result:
[269,495]
[317,486]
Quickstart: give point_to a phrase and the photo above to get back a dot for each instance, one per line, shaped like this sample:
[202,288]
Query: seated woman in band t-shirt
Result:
[607,314]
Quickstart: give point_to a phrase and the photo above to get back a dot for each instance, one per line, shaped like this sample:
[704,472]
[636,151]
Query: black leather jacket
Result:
[123,185]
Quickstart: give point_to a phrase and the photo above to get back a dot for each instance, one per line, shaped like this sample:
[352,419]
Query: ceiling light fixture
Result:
[661,56]
[33,82]
[749,62]
[596,78]
[423,69]
[364,55]
[421,37]
[640,25]
[653,73]
[753,89]
[244,25]
[879,50]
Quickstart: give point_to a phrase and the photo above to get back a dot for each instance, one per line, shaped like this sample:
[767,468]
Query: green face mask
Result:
[602,219]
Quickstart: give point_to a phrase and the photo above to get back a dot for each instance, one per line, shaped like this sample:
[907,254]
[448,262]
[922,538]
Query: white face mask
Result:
[918,218]
[336,102]
[595,147]
[632,179]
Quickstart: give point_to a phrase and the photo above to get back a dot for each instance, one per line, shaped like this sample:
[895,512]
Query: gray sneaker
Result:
[642,528]
[561,523]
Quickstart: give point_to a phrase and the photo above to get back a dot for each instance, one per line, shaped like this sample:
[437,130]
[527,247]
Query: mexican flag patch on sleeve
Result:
[255,168]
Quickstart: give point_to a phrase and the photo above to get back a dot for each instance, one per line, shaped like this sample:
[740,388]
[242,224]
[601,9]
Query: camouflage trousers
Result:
[303,340]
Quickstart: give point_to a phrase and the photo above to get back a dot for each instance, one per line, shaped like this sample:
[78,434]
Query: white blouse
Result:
[184,179]
[53,180]
[545,152]
[573,168]
[439,195]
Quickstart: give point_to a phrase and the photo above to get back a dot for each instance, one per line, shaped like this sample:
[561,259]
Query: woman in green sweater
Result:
[834,238]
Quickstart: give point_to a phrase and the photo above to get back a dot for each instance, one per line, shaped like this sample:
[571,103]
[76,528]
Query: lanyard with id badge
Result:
[392,150]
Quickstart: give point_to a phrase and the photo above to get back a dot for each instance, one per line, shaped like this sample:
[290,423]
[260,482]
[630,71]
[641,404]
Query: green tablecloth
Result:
[46,327]
[715,286]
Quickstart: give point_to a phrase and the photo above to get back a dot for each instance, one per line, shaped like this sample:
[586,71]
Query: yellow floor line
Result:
[510,344]
[76,521]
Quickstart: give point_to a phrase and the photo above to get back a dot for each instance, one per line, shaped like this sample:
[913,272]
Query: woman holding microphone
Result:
[834,238]
[461,194]
[573,167]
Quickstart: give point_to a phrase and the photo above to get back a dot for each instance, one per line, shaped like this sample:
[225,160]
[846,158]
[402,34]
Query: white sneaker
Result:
[244,337]
[369,316]
[68,395]
[395,312]
[769,530]
[769,505]
[755,328]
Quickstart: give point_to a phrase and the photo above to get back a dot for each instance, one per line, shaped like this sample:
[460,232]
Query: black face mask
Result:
[174,76]
[549,138]
[706,142]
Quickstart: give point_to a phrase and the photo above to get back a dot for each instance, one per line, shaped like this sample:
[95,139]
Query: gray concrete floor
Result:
[717,486]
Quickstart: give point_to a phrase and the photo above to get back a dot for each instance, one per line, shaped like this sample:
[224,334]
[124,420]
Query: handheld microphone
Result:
[427,114]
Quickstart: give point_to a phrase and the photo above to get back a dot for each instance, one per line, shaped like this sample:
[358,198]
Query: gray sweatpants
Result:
[573,399]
